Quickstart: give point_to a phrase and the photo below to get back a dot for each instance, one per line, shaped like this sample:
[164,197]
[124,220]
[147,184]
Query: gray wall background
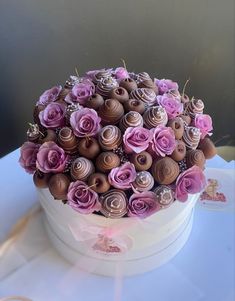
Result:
[42,41]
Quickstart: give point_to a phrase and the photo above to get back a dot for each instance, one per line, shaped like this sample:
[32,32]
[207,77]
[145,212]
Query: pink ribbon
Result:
[106,239]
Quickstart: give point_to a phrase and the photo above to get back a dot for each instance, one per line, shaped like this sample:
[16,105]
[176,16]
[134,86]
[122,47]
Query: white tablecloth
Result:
[203,270]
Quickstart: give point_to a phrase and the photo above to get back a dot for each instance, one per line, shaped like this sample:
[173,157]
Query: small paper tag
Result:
[219,193]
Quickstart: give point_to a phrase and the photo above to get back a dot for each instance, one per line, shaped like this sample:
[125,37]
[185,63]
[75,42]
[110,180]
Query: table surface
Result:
[202,270]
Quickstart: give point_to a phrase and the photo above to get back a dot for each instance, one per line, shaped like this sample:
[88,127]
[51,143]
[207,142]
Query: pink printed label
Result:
[112,245]
[220,190]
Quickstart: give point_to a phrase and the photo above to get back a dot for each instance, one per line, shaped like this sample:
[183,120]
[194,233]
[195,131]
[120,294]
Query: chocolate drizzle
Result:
[191,137]
[101,75]
[165,195]
[195,157]
[110,137]
[106,85]
[107,161]
[130,119]
[144,181]
[81,169]
[194,106]
[148,96]
[111,111]
[155,116]
[113,203]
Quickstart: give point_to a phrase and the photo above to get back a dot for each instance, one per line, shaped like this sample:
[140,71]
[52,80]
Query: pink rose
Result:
[143,204]
[121,177]
[163,142]
[121,73]
[53,115]
[51,158]
[204,123]
[80,92]
[28,156]
[82,198]
[190,181]
[85,122]
[172,105]
[165,85]
[49,95]
[136,139]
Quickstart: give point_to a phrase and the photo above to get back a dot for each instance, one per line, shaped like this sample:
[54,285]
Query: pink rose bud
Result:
[190,181]
[172,105]
[136,139]
[123,176]
[28,156]
[121,73]
[85,122]
[49,95]
[165,85]
[163,142]
[80,92]
[51,158]
[204,123]
[82,198]
[53,115]
[143,204]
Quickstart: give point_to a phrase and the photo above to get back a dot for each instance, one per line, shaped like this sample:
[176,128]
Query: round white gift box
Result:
[109,246]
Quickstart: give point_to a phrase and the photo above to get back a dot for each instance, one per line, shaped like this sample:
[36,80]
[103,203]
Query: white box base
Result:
[153,242]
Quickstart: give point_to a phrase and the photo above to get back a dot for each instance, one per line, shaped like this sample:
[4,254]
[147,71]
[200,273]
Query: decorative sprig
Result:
[76,71]
[185,85]
[124,63]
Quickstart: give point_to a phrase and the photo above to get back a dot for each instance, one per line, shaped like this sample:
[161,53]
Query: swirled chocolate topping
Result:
[148,96]
[113,203]
[191,137]
[165,195]
[134,105]
[110,137]
[194,106]
[106,85]
[101,75]
[130,119]
[165,171]
[142,76]
[148,83]
[67,140]
[81,169]
[144,181]
[107,161]
[142,161]
[195,157]
[111,111]
[155,116]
